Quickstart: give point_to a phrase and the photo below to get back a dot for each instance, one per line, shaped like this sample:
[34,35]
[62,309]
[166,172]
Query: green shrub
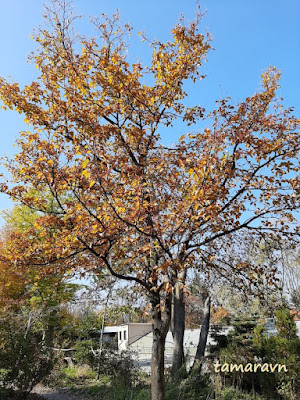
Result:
[83,353]
[194,387]
[81,380]
[120,367]
[230,393]
[248,343]
[25,358]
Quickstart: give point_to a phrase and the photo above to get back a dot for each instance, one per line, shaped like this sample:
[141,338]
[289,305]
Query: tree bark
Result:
[160,327]
[178,326]
[203,335]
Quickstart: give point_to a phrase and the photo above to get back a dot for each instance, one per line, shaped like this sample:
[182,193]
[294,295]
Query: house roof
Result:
[110,329]
[136,323]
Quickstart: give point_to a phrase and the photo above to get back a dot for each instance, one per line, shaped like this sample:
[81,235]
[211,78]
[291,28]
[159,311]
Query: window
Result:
[124,335]
[120,335]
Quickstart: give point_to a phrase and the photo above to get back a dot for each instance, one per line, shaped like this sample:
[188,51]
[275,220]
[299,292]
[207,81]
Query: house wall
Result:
[136,331]
[298,328]
[138,339]
[123,337]
[129,333]
[143,347]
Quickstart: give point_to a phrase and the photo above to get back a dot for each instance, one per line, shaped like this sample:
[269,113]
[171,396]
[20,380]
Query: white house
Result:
[130,333]
[137,337]
[142,346]
[124,335]
[298,328]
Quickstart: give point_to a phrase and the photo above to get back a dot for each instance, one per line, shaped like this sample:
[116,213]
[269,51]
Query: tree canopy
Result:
[107,189]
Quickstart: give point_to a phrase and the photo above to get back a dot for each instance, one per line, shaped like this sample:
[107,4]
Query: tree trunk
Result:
[178,327]
[102,331]
[160,327]
[203,335]
[157,365]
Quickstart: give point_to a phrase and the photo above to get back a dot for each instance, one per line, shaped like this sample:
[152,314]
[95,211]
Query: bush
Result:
[81,380]
[25,358]
[120,367]
[83,353]
[286,352]
[230,393]
[249,344]
[194,387]
[88,336]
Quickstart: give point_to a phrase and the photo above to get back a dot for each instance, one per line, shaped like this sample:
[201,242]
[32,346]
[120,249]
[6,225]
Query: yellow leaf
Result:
[85,163]
[86,173]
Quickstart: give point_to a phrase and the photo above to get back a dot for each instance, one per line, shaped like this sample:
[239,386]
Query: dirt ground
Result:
[55,394]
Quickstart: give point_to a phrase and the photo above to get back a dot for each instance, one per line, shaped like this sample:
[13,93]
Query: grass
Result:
[82,380]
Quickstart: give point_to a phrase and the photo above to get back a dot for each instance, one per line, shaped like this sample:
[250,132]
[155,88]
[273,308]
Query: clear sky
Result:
[248,37]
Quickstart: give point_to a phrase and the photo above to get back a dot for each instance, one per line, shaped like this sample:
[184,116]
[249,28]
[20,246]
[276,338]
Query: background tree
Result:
[289,261]
[32,311]
[118,193]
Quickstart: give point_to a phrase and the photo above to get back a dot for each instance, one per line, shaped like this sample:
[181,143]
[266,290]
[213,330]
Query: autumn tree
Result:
[12,280]
[118,193]
[31,313]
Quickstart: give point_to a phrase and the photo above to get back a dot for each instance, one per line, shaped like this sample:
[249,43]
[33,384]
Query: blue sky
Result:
[248,37]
